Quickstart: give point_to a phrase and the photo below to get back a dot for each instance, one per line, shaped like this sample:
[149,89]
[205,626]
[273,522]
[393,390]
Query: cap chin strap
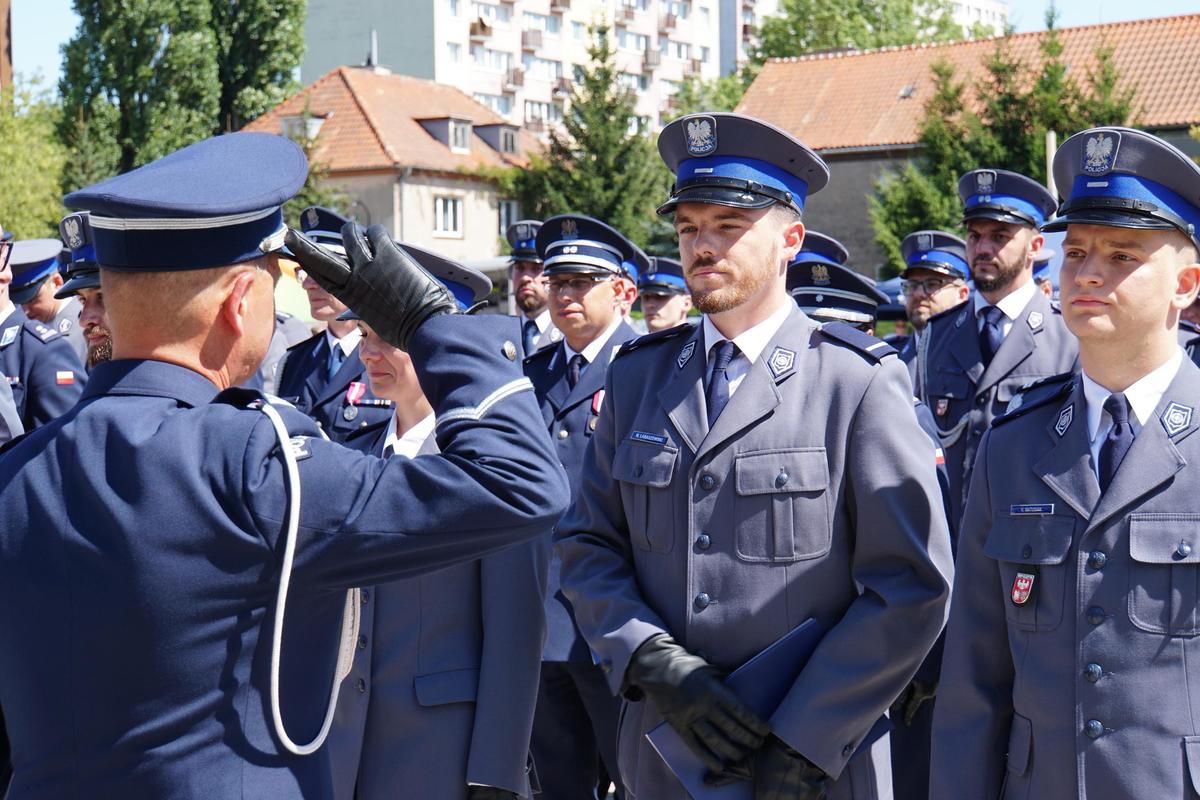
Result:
[350,614]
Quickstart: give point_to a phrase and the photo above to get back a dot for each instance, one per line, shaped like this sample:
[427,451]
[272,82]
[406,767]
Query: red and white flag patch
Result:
[64,377]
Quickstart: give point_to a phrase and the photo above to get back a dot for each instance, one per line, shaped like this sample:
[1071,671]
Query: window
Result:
[674,49]
[704,54]
[546,112]
[637,42]
[460,136]
[454,8]
[541,22]
[636,5]
[510,212]
[578,31]
[508,141]
[454,51]
[491,60]
[680,8]
[306,127]
[500,103]
[634,82]
[670,88]
[542,68]
[493,15]
[705,19]
[447,216]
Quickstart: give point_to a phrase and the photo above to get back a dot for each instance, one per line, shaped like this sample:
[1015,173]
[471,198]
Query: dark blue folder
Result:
[761,683]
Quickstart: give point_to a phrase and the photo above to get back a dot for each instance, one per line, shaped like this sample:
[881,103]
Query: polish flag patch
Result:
[939,456]
[64,377]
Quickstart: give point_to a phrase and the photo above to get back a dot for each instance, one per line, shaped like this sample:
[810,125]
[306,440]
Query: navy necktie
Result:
[530,332]
[574,367]
[717,393]
[991,336]
[1119,438]
[337,356]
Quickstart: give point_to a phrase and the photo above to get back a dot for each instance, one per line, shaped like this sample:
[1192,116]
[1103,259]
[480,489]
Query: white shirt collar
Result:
[542,320]
[1011,304]
[596,345]
[751,342]
[410,443]
[347,342]
[1143,395]
[6,311]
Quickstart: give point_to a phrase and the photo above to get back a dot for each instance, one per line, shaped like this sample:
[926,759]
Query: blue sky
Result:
[40,27]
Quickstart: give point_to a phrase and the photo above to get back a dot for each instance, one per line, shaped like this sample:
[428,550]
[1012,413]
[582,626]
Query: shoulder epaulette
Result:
[685,329]
[545,352]
[869,346]
[1036,394]
[43,333]
[242,398]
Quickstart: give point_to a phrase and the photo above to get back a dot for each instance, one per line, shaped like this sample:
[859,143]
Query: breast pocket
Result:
[950,385]
[1164,552]
[645,471]
[1031,554]
[782,505]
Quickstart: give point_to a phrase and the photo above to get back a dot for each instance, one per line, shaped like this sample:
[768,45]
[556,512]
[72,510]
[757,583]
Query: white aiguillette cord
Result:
[350,616]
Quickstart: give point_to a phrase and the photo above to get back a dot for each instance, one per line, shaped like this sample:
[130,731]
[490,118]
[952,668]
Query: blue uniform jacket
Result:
[570,415]
[43,371]
[301,380]
[446,674]
[139,561]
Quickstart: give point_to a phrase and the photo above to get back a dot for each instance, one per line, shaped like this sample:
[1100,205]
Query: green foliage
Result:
[719,94]
[809,26]
[316,190]
[33,158]
[260,44]
[603,163]
[1000,122]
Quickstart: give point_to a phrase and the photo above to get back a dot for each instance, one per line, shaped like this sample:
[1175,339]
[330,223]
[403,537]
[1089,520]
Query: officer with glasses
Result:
[934,280]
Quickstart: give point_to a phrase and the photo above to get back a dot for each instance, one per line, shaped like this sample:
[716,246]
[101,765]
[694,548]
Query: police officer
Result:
[10,428]
[528,285]
[664,295]
[1069,668]
[43,371]
[440,700]
[748,475]
[83,283]
[588,267]
[934,280]
[1041,272]
[37,276]
[151,534]
[977,355]
[322,375]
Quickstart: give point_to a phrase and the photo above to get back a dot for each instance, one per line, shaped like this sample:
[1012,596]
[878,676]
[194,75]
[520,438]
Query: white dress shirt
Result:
[593,348]
[408,445]
[347,342]
[750,344]
[6,311]
[1143,396]
[1012,305]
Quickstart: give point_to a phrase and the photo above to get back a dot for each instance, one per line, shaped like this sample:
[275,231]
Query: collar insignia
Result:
[1177,418]
[9,336]
[781,361]
[1035,319]
[1064,420]
[685,355]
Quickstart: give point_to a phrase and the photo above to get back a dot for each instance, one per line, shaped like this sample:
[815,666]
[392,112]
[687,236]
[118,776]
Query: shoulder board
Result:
[545,352]
[864,343]
[43,333]
[685,329]
[243,398]
[1036,394]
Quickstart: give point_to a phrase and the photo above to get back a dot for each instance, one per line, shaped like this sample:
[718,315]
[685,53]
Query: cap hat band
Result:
[165,248]
[810,257]
[942,258]
[747,174]
[1133,195]
[1017,206]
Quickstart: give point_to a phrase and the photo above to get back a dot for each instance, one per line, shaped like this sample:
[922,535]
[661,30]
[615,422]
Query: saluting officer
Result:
[1070,667]
[43,371]
[34,285]
[976,356]
[588,267]
[934,280]
[323,375]
[439,703]
[151,534]
[528,285]
[747,475]
[664,295]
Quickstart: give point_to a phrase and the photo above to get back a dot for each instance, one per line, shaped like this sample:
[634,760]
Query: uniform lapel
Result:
[350,370]
[556,395]
[964,342]
[1067,467]
[1020,342]
[1154,458]
[683,396]
[315,377]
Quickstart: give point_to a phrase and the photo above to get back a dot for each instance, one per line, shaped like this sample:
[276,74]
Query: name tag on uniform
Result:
[642,436]
[1031,509]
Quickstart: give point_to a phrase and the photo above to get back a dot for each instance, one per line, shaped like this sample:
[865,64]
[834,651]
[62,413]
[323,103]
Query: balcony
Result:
[531,40]
[480,31]
[748,30]
[692,67]
[626,14]
[559,6]
[514,78]
[562,87]
[537,126]
[667,22]
[652,59]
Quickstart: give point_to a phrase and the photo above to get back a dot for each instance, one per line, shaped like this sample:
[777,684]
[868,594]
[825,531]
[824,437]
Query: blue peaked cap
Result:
[210,204]
[522,240]
[821,249]
[575,243]
[936,251]
[665,277]
[32,262]
[1004,196]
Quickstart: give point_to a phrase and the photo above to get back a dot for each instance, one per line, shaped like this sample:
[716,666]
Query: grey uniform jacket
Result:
[814,495]
[965,397]
[10,418]
[66,322]
[1092,685]
[444,683]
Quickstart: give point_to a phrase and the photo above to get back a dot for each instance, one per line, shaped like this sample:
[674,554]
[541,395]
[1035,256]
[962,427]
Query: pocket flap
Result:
[440,688]
[1164,538]
[1020,741]
[804,469]
[946,383]
[644,464]
[1191,751]
[1030,540]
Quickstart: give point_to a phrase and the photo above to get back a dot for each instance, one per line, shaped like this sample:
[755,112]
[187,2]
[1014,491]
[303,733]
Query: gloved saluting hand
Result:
[389,290]
[712,721]
[780,773]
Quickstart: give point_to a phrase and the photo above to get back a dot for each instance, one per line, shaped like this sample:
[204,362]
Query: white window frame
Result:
[460,136]
[448,216]
[508,211]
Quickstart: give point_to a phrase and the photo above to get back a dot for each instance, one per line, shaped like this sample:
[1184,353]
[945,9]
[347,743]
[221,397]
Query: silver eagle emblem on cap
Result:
[924,241]
[1100,152]
[71,232]
[311,217]
[985,181]
[570,229]
[701,133]
[820,274]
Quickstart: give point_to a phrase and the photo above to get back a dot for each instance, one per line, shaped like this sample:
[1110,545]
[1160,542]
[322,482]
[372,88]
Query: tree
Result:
[602,163]
[316,190]
[260,44]
[30,205]
[719,94]
[809,26]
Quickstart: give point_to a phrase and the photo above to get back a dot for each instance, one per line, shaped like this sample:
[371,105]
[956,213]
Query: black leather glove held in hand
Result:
[905,709]
[780,773]
[386,288]
[490,793]
[713,722]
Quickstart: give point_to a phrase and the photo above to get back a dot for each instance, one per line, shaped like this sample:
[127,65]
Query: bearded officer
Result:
[588,267]
[977,355]
[151,533]
[528,286]
[83,282]
[1071,651]
[664,295]
[748,475]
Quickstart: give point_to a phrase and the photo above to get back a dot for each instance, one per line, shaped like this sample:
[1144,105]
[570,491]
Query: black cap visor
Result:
[1115,212]
[86,279]
[570,268]
[731,192]
[26,293]
[655,287]
[997,213]
[934,266]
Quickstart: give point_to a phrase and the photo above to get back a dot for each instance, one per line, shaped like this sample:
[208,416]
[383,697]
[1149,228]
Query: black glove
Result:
[490,793]
[905,709]
[713,722]
[780,773]
[386,288]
